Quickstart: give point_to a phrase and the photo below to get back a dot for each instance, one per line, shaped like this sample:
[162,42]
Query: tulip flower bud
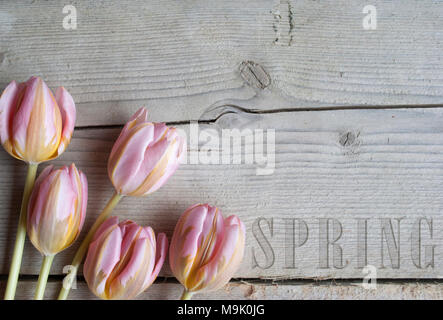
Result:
[35,126]
[123,259]
[57,209]
[206,249]
[144,156]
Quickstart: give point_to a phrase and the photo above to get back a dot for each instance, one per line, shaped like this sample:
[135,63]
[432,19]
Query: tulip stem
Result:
[186,295]
[81,251]
[14,270]
[43,277]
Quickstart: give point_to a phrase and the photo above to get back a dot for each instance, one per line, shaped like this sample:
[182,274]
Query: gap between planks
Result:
[274,111]
[254,291]
[259,281]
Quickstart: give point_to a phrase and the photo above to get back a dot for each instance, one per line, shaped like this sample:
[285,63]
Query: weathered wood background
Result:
[356,113]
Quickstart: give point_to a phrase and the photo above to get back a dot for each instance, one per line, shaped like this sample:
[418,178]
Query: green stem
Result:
[186,295]
[81,252]
[43,277]
[14,270]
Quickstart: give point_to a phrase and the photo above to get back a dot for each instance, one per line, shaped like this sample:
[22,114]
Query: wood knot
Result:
[347,139]
[2,58]
[254,74]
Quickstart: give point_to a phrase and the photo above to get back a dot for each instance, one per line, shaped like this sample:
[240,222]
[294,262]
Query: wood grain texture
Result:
[234,64]
[347,165]
[251,291]
[179,58]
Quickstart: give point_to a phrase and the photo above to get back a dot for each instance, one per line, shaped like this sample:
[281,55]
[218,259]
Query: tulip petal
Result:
[84,198]
[225,262]
[103,255]
[138,118]
[130,232]
[159,133]
[168,166]
[107,224]
[184,242]
[160,255]
[43,175]
[210,236]
[135,266]
[209,240]
[110,254]
[36,191]
[165,166]
[65,195]
[8,102]
[39,196]
[23,112]
[37,123]
[57,225]
[152,156]
[125,167]
[68,113]
[129,282]
[52,213]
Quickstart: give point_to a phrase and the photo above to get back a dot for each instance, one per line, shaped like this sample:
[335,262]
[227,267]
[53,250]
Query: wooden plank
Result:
[251,291]
[180,58]
[380,165]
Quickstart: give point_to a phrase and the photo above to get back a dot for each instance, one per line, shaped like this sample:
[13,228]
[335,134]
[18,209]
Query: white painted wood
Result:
[347,165]
[181,57]
[249,291]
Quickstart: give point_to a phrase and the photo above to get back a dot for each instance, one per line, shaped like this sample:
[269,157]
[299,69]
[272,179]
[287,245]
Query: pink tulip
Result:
[206,249]
[35,126]
[123,259]
[144,156]
[57,209]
